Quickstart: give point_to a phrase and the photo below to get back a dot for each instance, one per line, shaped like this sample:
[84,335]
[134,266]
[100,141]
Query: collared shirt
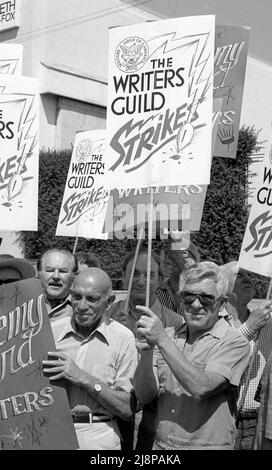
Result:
[109,354]
[167,316]
[166,297]
[63,309]
[185,422]
[264,350]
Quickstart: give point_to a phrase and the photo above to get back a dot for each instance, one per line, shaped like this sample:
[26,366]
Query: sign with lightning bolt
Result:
[230,58]
[159,122]
[256,251]
[19,157]
[11,56]
[85,200]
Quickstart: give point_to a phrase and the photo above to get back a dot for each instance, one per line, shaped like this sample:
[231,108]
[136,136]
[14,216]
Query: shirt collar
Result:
[218,330]
[164,283]
[102,329]
[62,303]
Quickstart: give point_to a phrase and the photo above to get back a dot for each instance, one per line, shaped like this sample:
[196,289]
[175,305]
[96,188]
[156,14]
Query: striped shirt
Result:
[263,352]
[166,297]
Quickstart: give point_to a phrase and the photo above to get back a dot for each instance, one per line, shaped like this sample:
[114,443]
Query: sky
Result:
[254,13]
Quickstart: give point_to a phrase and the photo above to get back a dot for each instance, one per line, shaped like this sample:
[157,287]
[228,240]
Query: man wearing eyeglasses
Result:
[196,372]
[97,358]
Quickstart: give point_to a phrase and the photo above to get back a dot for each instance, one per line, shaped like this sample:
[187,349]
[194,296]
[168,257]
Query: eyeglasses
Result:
[205,299]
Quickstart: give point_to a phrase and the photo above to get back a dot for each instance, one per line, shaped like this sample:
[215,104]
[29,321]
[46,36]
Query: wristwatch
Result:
[97,388]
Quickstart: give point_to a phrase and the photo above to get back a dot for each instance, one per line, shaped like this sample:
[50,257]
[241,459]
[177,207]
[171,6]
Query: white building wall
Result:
[66,48]
[257,99]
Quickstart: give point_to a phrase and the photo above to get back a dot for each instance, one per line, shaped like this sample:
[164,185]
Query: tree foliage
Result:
[223,222]
[226,206]
[53,170]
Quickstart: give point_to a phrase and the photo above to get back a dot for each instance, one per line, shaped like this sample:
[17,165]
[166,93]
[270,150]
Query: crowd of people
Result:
[190,371]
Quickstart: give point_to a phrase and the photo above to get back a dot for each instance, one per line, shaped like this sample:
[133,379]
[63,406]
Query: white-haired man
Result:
[195,373]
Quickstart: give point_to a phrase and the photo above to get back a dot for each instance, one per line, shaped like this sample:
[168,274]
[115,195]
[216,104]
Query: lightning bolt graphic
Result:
[27,134]
[200,77]
[8,66]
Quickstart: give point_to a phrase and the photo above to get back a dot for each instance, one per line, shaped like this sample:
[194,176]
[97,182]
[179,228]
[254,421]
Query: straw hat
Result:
[22,266]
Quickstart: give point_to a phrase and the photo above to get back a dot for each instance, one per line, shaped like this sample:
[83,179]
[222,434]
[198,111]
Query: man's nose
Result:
[56,274]
[142,279]
[196,303]
[82,303]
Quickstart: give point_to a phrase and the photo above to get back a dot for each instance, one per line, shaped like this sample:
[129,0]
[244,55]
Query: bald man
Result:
[97,358]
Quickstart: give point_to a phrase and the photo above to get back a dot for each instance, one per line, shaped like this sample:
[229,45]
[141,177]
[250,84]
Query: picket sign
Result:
[75,245]
[149,249]
[133,269]
[160,138]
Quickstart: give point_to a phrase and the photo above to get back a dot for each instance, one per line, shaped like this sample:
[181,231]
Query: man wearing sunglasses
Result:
[196,372]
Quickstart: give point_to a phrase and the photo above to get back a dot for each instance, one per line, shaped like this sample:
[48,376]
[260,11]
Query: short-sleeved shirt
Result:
[264,349]
[185,422]
[109,354]
[167,316]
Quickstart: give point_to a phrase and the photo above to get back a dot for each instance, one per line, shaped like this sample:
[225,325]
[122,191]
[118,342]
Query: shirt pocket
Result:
[200,364]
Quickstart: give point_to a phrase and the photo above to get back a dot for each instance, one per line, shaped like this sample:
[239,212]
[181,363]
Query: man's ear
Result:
[125,280]
[111,299]
[223,302]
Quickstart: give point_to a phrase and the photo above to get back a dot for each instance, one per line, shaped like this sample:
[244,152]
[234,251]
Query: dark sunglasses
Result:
[206,300]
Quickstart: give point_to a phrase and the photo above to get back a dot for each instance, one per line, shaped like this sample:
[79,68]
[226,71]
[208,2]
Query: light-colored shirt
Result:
[63,309]
[109,354]
[183,421]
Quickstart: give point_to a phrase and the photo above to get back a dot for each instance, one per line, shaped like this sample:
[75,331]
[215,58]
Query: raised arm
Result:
[200,384]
